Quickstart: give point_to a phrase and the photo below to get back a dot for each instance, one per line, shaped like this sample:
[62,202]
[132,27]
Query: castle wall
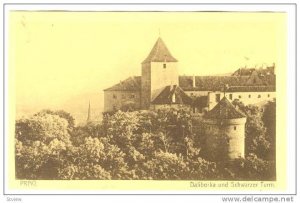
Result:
[146,86]
[225,139]
[116,100]
[245,97]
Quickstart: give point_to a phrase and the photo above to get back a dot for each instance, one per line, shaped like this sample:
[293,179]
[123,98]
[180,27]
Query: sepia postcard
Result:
[139,100]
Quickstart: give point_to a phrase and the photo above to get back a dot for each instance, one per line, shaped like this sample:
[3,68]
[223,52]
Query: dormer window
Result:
[165,65]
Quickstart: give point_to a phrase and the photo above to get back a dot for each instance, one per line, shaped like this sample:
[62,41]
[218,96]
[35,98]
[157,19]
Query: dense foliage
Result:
[158,145]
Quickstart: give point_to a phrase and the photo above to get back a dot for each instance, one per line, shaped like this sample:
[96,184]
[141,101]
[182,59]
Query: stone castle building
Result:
[160,85]
[208,96]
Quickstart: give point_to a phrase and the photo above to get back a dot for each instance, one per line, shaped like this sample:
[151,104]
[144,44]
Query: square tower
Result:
[159,70]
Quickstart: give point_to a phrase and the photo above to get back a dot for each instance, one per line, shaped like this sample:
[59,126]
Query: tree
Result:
[128,106]
[96,159]
[42,127]
[146,143]
[171,126]
[269,119]
[121,131]
[164,166]
[250,168]
[41,142]
[90,129]
[61,114]
[201,169]
[256,140]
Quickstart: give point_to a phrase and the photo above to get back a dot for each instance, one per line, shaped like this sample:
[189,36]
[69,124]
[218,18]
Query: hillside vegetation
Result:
[159,145]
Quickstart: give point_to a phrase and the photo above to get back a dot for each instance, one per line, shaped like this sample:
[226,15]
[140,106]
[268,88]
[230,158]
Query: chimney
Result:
[194,81]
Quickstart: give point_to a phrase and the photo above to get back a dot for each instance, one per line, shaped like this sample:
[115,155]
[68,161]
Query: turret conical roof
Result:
[224,110]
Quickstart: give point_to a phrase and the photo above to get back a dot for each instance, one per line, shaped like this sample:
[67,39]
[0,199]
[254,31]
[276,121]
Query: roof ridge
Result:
[156,47]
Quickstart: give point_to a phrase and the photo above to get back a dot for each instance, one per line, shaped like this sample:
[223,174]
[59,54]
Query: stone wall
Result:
[225,139]
[116,100]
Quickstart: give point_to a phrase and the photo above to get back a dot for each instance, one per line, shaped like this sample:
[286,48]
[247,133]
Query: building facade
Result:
[160,85]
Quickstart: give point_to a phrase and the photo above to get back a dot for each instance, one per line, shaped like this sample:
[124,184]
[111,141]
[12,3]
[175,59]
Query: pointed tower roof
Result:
[224,110]
[159,53]
[89,113]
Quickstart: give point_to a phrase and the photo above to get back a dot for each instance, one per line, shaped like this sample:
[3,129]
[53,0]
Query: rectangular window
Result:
[249,96]
[234,127]
[240,96]
[268,95]
[259,96]
[165,65]
[230,96]
[218,97]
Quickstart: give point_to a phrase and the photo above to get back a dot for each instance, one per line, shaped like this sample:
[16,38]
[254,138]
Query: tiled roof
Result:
[251,89]
[130,84]
[207,83]
[216,83]
[166,96]
[270,70]
[159,53]
[243,72]
[224,110]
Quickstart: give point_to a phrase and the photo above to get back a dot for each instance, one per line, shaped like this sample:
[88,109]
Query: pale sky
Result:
[64,59]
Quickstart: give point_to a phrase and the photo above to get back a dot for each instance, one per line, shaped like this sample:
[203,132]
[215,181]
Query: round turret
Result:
[224,132]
